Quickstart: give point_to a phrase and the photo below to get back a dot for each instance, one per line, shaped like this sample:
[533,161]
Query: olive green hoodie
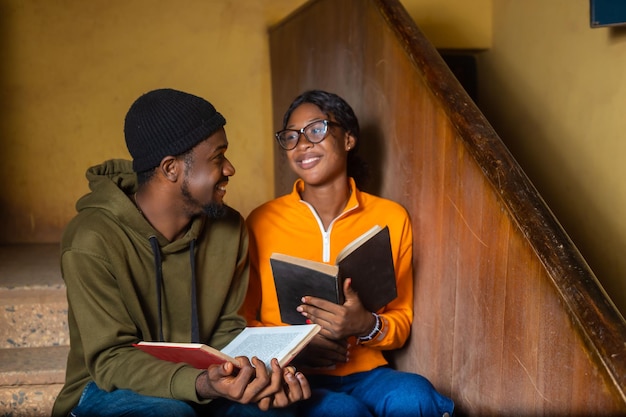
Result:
[112,260]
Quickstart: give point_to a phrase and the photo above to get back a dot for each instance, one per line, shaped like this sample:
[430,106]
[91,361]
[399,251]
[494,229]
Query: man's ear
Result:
[170,168]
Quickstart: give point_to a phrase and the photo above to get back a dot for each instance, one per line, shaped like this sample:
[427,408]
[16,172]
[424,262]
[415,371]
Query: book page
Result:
[265,343]
[307,263]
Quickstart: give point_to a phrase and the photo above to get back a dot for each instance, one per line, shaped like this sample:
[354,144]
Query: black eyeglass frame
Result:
[327,124]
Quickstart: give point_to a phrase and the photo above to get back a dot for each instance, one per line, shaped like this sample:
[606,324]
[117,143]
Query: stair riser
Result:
[33,318]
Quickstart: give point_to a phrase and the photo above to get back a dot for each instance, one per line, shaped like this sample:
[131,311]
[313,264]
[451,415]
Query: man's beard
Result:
[211,210]
[214,210]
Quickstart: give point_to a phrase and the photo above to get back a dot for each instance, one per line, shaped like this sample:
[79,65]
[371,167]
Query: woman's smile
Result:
[308,161]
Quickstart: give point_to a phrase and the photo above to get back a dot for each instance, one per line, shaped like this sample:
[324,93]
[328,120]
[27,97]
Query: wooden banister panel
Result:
[508,318]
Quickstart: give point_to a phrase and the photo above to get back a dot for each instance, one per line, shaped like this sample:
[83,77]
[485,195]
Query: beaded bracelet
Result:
[373,333]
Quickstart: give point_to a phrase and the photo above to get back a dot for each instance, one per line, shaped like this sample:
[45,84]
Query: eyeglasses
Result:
[313,132]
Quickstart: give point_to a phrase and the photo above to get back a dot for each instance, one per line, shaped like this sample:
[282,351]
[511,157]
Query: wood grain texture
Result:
[509,319]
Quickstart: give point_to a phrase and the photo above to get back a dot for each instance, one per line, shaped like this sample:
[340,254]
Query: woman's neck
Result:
[328,201]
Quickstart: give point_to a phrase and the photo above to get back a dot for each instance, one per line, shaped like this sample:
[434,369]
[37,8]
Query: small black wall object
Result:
[607,13]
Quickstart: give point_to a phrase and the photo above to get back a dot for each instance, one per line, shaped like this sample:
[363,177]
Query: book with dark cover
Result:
[367,260]
[296,277]
[281,342]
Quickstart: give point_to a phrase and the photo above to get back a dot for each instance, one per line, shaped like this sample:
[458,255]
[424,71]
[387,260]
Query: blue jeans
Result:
[95,402]
[381,392]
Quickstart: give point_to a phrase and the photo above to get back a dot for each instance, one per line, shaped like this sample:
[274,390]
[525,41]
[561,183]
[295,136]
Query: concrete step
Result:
[33,366]
[28,401]
[33,307]
[33,317]
[33,331]
[30,379]
[30,265]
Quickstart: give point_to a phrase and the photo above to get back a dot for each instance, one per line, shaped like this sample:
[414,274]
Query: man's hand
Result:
[252,383]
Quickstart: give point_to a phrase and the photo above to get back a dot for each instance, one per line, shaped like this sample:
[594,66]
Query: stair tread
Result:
[28,401]
[30,266]
[33,366]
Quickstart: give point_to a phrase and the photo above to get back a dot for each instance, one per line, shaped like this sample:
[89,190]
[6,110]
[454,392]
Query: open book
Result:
[282,343]
[367,260]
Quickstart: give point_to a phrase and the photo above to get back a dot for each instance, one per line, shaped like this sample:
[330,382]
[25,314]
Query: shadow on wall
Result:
[585,236]
[617,34]
[463,66]
[372,152]
[5,128]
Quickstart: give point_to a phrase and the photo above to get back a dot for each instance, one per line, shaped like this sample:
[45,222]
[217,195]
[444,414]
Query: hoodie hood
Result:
[112,186]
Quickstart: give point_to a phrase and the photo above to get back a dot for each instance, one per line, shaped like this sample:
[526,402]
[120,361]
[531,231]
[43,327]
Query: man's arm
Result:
[107,332]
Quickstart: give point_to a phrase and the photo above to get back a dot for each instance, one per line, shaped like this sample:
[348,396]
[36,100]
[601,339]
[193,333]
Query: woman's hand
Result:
[322,353]
[295,388]
[339,321]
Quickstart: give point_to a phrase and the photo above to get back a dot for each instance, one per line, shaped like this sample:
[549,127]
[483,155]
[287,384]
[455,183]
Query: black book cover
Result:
[295,278]
[370,266]
[369,262]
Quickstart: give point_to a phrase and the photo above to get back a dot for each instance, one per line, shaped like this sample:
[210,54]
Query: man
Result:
[154,254]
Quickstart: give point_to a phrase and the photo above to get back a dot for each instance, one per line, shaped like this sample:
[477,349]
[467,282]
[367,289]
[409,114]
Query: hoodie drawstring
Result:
[195,328]
[156,251]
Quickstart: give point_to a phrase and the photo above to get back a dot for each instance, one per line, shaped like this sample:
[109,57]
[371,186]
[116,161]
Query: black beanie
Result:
[167,122]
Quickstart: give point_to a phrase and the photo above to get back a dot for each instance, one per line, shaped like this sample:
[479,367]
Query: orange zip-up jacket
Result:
[291,226]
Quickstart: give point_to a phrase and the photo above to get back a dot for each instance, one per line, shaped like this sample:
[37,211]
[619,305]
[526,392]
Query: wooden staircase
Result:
[509,320]
[34,338]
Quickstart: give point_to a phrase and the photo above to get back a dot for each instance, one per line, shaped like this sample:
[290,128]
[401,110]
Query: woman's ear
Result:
[350,141]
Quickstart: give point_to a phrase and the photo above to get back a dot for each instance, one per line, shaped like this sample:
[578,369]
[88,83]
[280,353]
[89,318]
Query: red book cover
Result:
[197,355]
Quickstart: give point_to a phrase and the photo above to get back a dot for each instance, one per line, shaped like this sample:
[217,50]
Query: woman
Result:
[324,212]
